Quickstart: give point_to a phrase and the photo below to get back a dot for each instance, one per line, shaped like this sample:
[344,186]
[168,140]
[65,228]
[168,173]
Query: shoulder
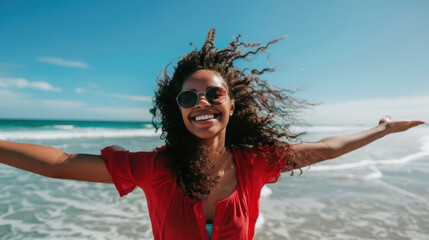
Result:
[118,151]
[141,166]
[263,158]
[116,155]
[141,155]
[156,157]
[263,164]
[252,157]
[263,152]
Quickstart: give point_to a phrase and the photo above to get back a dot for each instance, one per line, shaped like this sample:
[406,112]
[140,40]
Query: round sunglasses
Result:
[189,98]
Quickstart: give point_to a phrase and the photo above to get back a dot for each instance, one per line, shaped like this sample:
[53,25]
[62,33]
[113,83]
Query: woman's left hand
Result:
[332,147]
[398,125]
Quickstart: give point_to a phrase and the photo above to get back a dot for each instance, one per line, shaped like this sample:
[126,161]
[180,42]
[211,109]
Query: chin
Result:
[208,133]
[204,135]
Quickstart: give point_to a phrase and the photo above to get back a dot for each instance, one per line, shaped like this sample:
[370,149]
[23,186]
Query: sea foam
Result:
[372,163]
[327,128]
[72,132]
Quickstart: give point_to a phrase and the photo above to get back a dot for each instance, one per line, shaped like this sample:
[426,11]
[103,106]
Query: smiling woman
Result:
[222,145]
[245,118]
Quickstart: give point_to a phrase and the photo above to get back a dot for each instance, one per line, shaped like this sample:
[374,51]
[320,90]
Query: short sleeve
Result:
[277,159]
[117,161]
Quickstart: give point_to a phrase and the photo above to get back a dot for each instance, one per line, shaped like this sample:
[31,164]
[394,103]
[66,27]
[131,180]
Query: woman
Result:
[222,145]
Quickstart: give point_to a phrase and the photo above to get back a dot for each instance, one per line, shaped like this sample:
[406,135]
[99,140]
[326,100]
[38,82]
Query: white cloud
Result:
[79,90]
[123,113]
[369,111]
[93,85]
[10,66]
[14,102]
[62,62]
[7,94]
[115,95]
[127,97]
[24,83]
[18,105]
[58,104]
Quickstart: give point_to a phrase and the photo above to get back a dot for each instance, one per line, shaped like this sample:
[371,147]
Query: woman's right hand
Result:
[53,162]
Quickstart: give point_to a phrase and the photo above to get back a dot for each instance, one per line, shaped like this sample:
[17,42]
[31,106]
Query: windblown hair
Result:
[254,124]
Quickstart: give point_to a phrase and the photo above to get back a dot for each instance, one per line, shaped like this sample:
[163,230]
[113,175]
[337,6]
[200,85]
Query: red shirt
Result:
[176,216]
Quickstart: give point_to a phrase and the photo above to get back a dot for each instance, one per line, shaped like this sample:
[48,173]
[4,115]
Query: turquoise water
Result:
[377,192]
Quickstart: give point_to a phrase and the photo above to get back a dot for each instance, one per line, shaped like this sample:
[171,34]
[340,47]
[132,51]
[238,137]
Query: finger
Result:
[417,122]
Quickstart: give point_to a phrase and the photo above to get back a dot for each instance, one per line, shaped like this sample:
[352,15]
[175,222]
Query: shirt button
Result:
[216,228]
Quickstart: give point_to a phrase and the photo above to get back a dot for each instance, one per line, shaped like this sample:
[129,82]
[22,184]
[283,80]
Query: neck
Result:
[218,152]
[215,144]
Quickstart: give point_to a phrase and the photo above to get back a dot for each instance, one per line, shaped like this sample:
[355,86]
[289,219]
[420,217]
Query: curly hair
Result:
[258,107]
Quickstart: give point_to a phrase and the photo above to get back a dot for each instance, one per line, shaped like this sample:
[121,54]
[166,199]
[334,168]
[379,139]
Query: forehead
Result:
[202,79]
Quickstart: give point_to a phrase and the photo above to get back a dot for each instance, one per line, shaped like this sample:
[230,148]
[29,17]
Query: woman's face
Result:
[219,115]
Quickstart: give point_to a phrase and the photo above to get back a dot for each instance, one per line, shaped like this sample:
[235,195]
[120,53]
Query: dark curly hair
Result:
[258,107]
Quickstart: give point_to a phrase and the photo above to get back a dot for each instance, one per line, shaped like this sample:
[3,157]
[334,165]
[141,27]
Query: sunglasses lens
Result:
[216,95]
[187,99]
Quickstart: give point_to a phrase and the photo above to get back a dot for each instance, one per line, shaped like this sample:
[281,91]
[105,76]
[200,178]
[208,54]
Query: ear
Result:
[232,107]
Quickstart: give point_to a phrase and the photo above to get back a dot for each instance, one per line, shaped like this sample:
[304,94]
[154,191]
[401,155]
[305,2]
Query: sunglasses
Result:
[189,98]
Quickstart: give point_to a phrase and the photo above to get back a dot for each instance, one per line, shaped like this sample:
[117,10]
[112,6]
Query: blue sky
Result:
[100,59]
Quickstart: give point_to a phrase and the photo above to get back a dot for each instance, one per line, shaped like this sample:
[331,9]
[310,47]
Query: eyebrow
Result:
[195,90]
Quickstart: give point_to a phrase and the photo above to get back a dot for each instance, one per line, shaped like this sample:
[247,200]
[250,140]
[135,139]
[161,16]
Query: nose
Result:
[202,101]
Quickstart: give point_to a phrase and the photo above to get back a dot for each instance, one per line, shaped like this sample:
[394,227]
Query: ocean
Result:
[377,192]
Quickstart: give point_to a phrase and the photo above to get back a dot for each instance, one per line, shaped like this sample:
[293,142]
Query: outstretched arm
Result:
[332,147]
[53,162]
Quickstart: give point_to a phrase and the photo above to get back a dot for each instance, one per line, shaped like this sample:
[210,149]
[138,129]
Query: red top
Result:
[176,216]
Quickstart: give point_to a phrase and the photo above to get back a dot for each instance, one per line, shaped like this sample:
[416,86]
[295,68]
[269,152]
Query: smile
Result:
[205,117]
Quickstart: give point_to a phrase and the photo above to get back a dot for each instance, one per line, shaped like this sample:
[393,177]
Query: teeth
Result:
[204,117]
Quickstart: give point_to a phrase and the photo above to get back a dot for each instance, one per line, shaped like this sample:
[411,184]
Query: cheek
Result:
[226,118]
[225,115]
[185,117]
[184,114]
